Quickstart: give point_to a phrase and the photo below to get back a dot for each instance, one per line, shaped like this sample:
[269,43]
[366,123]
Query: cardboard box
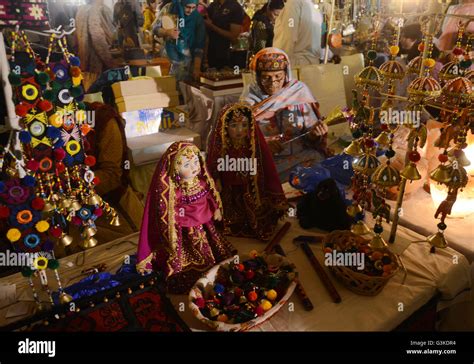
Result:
[147,101]
[144,86]
[149,148]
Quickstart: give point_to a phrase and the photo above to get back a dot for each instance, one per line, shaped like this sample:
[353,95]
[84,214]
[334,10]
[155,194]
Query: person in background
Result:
[94,32]
[286,112]
[184,46]
[263,23]
[298,31]
[149,16]
[224,25]
[128,18]
[410,37]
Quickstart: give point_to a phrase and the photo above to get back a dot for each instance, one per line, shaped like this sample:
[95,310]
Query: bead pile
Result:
[243,291]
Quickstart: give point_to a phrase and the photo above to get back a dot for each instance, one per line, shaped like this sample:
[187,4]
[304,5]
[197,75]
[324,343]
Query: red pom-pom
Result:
[249,274]
[414,156]
[259,311]
[90,160]
[59,154]
[37,203]
[56,232]
[4,212]
[421,47]
[76,220]
[443,158]
[369,143]
[458,51]
[32,165]
[98,212]
[75,71]
[21,110]
[384,126]
[96,181]
[200,302]
[241,267]
[45,105]
[60,167]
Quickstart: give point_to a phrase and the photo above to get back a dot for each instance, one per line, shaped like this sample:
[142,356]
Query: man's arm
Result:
[231,34]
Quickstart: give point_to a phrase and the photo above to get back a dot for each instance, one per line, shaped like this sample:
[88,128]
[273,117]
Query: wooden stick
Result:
[277,238]
[321,273]
[300,291]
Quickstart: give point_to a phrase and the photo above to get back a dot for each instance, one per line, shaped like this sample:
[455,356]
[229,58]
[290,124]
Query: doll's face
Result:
[272,81]
[188,166]
[238,129]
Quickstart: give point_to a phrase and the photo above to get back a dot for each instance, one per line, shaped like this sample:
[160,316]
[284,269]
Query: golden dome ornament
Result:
[369,76]
[414,66]
[386,176]
[365,164]
[393,70]
[449,71]
[457,90]
[424,86]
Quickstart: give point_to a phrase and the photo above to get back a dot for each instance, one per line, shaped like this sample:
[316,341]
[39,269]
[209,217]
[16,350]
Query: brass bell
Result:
[89,232]
[65,203]
[383,139]
[353,149]
[75,205]
[89,243]
[410,172]
[360,228]
[94,199]
[242,299]
[377,242]
[353,210]
[66,240]
[214,312]
[54,197]
[437,240]
[462,159]
[65,298]
[442,174]
[115,221]
[48,207]
[335,117]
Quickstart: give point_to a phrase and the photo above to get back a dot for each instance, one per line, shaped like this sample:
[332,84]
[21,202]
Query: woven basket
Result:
[358,282]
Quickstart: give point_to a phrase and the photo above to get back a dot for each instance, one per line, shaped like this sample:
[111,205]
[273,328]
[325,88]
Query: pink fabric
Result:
[447,40]
[197,213]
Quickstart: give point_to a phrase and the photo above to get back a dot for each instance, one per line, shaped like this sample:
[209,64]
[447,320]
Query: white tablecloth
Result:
[427,275]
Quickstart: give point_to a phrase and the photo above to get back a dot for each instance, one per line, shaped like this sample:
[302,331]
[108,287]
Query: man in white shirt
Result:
[298,32]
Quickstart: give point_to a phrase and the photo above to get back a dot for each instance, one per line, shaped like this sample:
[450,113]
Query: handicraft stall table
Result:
[428,275]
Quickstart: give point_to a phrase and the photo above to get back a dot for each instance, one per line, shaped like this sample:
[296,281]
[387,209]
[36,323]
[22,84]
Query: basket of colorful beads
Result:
[370,268]
[237,294]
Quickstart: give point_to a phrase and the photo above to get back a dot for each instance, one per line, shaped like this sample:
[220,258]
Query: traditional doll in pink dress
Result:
[178,236]
[241,163]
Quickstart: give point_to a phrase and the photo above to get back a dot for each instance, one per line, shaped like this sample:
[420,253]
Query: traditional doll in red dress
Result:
[178,236]
[239,160]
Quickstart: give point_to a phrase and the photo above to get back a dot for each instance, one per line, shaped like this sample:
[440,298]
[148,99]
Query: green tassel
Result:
[42,78]
[14,79]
